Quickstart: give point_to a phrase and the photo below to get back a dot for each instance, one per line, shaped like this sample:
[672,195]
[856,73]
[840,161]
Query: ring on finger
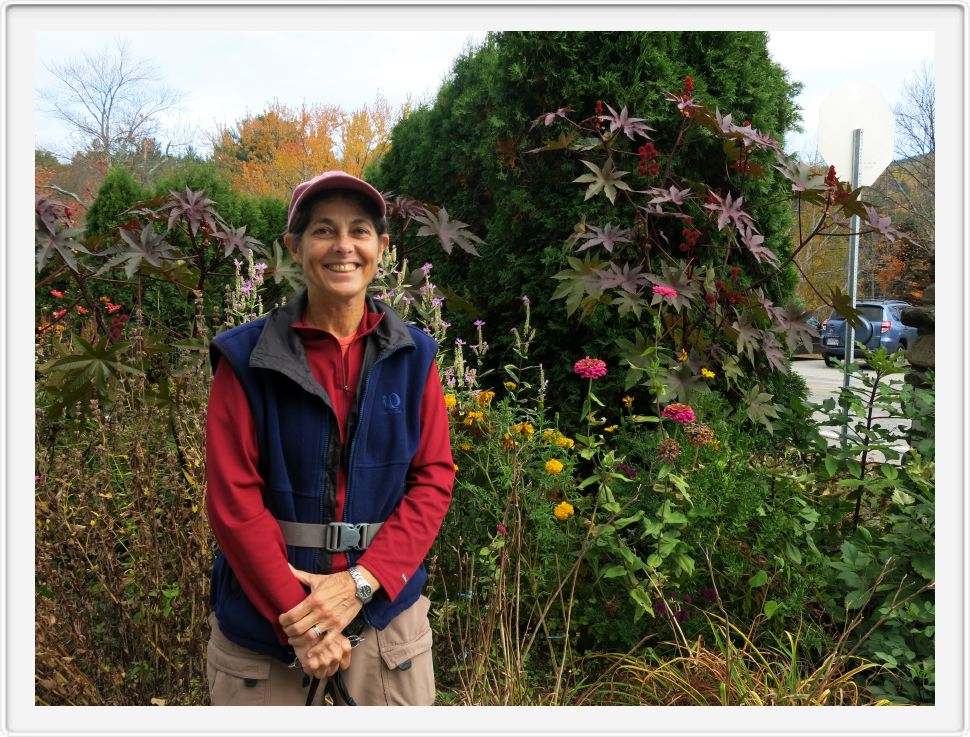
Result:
[315,629]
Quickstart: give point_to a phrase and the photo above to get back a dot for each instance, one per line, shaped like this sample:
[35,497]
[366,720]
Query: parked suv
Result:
[880,325]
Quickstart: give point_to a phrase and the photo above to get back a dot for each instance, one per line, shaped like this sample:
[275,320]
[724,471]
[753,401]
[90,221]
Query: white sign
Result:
[856,105]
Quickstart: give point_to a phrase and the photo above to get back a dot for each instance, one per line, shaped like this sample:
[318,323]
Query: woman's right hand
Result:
[325,657]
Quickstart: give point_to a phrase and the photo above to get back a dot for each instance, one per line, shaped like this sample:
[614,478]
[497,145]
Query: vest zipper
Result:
[353,441]
[353,444]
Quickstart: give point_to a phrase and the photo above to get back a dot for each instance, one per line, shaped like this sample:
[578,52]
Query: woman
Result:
[329,473]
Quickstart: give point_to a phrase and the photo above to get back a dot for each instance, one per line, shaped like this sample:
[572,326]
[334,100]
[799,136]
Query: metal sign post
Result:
[853,274]
[851,108]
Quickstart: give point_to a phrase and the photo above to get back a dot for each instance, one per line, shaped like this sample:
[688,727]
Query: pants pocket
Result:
[237,676]
[405,653]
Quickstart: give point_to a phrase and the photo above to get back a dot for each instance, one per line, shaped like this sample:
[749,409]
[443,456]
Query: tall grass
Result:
[123,548]
[733,669]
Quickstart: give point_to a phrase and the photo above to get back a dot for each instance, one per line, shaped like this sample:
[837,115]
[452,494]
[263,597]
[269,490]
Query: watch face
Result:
[364,591]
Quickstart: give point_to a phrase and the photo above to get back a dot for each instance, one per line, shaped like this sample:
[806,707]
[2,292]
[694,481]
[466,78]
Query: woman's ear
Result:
[293,246]
[385,242]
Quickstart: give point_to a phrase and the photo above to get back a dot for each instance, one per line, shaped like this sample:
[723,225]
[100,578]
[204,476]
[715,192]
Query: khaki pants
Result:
[389,667]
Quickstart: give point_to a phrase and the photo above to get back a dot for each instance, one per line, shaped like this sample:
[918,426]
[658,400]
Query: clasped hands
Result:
[331,605]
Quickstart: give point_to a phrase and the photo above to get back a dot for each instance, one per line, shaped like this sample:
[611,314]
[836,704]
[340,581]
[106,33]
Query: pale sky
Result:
[221,83]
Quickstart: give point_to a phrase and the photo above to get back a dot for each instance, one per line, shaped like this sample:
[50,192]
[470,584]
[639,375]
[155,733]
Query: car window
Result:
[873,313]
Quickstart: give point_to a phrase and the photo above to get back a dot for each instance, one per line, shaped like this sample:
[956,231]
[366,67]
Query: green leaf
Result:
[614,572]
[770,607]
[654,560]
[793,553]
[924,565]
[856,599]
[902,498]
[831,465]
[758,580]
[606,180]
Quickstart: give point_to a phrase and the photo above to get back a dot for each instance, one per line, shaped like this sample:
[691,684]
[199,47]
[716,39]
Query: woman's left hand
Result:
[331,605]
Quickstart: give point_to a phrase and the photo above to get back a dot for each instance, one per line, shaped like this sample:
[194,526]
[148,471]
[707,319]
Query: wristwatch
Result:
[364,591]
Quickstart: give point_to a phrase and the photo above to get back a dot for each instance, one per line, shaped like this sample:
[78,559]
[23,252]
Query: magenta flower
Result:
[665,292]
[590,368]
[501,529]
[679,413]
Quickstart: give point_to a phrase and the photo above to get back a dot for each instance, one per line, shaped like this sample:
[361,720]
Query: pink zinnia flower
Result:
[59,314]
[679,413]
[58,294]
[665,292]
[590,368]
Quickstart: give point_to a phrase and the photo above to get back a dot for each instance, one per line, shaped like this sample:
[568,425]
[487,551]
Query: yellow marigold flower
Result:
[554,467]
[715,444]
[611,428]
[682,356]
[510,385]
[474,416]
[465,446]
[563,511]
[485,398]
[628,401]
[507,442]
[450,400]
[524,428]
[549,436]
[564,442]
[707,373]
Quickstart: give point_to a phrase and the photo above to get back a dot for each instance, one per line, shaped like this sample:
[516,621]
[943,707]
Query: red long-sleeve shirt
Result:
[249,535]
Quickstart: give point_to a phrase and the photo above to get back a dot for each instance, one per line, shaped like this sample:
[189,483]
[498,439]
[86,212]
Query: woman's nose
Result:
[343,242]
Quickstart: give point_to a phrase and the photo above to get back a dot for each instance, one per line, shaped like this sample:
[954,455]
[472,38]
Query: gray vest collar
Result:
[279,347]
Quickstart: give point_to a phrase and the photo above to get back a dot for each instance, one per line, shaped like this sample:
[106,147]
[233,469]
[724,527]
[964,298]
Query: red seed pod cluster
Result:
[831,180]
[599,107]
[688,86]
[690,235]
[735,270]
[648,160]
[710,298]
[117,323]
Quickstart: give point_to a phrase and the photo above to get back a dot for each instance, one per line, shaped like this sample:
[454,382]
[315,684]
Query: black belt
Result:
[335,537]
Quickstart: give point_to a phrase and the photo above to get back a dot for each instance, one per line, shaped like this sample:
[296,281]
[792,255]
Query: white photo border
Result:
[21,20]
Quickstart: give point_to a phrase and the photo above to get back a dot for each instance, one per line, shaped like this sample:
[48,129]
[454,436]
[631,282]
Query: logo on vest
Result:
[392,403]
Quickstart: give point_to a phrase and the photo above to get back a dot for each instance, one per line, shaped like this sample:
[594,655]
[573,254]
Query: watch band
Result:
[365,591]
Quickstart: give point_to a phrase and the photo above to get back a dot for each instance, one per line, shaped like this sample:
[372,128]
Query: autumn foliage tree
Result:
[268,154]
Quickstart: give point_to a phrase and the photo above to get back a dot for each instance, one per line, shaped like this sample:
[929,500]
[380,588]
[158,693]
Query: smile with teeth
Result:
[342,268]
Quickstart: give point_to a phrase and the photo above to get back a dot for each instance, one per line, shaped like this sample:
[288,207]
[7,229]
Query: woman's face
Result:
[339,251]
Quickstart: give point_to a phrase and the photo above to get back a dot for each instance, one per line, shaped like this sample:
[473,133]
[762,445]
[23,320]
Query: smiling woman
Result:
[323,505]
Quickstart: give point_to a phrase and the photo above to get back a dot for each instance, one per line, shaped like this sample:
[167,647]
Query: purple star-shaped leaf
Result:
[672,195]
[623,122]
[728,210]
[606,236]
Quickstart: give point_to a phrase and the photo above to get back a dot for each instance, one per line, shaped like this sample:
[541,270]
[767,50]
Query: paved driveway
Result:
[824,382]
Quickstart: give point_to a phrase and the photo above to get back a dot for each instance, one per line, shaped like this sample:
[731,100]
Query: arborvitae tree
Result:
[117,193]
[466,152]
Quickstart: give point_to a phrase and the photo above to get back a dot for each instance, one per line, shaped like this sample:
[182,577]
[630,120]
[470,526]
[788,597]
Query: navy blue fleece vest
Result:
[300,449]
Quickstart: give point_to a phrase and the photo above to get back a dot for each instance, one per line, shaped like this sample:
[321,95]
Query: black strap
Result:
[337,682]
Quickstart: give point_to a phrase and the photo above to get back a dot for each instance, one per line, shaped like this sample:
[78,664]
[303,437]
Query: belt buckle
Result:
[347,536]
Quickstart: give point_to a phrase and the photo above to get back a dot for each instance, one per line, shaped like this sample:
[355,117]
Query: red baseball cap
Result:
[333,180]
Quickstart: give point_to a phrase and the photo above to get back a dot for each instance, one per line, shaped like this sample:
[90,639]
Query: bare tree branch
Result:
[112,101]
